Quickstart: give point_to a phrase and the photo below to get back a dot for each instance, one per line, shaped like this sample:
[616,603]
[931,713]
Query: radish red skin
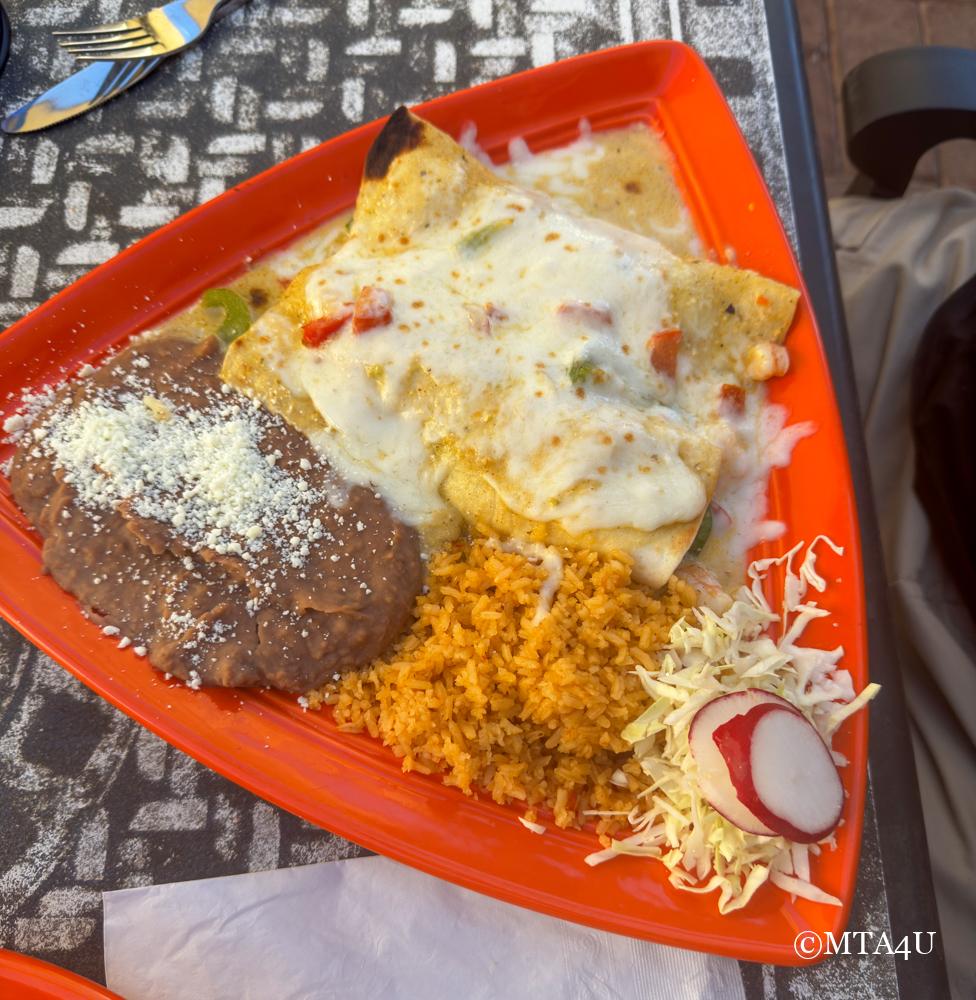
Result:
[713,776]
[734,740]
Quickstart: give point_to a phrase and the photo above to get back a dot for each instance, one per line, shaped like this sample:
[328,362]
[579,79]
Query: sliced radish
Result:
[782,771]
[713,771]
[733,740]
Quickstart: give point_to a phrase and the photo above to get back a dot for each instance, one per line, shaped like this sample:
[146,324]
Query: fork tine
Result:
[81,48]
[104,39]
[103,29]
[128,54]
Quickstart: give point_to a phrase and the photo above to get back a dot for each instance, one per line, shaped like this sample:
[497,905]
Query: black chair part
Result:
[898,105]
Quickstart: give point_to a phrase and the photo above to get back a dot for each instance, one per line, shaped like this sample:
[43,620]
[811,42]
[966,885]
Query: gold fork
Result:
[161,32]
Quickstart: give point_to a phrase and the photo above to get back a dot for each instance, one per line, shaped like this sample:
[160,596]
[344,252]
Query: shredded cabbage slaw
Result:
[715,655]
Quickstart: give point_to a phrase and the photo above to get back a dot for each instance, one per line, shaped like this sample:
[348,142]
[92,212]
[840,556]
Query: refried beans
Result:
[207,533]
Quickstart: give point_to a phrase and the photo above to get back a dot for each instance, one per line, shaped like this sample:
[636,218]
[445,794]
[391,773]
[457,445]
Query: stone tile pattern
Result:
[839,34]
[89,800]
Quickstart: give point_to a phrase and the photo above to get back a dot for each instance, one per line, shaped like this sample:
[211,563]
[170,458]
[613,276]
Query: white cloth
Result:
[898,262]
[372,928]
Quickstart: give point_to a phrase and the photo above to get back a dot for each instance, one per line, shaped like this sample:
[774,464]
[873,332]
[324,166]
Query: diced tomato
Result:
[373,308]
[587,312]
[318,331]
[664,351]
[732,399]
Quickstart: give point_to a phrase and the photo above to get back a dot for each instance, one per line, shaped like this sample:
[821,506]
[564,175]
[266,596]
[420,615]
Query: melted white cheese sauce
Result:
[546,556]
[507,394]
[478,357]
[764,441]
[566,172]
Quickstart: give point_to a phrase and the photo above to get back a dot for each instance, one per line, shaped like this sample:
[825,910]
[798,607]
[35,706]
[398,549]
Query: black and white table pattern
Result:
[90,801]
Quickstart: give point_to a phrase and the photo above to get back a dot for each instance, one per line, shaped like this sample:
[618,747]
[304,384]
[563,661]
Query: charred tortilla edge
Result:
[402,132]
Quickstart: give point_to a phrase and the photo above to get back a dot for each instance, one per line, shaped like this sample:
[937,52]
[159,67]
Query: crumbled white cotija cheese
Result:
[200,472]
[139,650]
[195,681]
[15,424]
[31,405]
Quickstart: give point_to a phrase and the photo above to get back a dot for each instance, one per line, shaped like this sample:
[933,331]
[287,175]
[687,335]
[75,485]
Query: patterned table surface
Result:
[90,801]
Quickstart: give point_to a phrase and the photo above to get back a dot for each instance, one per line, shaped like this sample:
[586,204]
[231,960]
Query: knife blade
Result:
[80,92]
[97,83]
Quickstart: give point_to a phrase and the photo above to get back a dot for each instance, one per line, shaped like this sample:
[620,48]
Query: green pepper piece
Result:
[704,530]
[237,316]
[476,240]
[580,370]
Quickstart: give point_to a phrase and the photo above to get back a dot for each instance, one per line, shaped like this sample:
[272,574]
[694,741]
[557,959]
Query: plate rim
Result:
[45,979]
[191,743]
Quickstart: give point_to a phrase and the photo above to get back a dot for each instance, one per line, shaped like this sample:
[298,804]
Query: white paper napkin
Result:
[372,928]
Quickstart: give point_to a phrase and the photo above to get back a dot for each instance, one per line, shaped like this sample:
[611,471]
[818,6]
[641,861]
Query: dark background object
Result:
[943,426]
[4,37]
[900,104]
[906,871]
[897,106]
